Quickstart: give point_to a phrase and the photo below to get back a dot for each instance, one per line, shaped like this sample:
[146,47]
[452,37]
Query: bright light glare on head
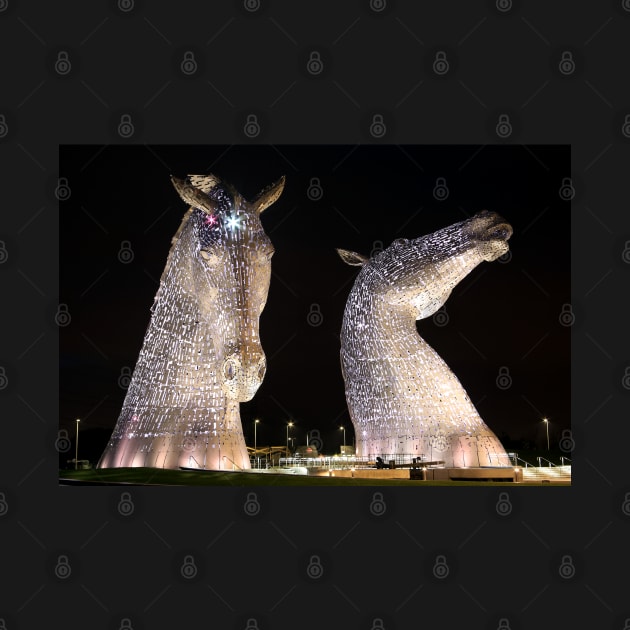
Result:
[232,222]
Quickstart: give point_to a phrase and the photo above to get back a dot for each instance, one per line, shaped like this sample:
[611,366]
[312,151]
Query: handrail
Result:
[520,459]
[544,458]
[562,458]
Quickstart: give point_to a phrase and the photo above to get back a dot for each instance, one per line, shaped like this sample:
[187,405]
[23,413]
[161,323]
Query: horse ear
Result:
[205,183]
[268,195]
[352,258]
[193,196]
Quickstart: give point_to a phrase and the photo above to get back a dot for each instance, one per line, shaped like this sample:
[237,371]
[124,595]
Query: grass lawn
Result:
[161,477]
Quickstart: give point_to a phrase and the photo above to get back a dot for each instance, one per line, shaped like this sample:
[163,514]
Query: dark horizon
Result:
[504,314]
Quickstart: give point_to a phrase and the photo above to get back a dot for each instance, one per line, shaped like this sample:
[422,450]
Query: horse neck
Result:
[179,307]
[375,330]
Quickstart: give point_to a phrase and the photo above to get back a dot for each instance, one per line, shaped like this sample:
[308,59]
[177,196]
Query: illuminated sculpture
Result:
[403,399]
[201,353]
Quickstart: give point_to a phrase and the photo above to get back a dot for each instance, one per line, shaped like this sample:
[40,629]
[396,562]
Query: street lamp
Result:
[344,438]
[255,442]
[547,425]
[76,450]
[290,424]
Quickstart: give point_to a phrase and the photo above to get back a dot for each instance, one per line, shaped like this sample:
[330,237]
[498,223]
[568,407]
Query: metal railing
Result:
[520,459]
[544,459]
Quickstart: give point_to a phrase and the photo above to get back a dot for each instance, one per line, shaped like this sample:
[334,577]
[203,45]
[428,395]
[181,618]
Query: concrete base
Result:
[361,473]
[429,474]
[473,474]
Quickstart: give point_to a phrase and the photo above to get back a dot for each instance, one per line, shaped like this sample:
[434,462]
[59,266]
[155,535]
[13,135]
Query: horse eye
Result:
[228,370]
[210,257]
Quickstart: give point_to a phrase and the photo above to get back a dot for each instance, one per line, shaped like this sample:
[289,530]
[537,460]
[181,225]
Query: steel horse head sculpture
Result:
[201,354]
[402,397]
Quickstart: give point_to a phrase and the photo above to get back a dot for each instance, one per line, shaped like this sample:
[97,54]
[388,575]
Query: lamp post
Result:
[289,425]
[76,449]
[256,442]
[547,426]
[344,437]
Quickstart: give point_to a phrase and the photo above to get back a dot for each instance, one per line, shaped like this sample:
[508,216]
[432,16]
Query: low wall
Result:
[430,474]
[361,473]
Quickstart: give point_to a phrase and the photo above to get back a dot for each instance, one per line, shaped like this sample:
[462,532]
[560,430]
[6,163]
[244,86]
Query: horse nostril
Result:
[261,370]
[502,231]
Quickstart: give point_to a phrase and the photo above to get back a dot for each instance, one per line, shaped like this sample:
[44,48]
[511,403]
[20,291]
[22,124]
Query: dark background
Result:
[504,59]
[504,318]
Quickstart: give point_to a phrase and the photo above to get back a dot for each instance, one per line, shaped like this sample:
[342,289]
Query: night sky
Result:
[505,314]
